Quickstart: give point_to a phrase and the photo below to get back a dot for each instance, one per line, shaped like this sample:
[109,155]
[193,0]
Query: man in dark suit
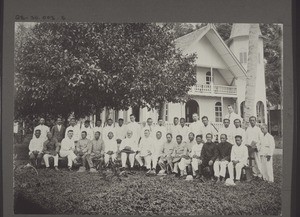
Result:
[58,130]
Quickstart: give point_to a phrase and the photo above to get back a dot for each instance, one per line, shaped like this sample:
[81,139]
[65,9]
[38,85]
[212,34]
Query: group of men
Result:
[185,151]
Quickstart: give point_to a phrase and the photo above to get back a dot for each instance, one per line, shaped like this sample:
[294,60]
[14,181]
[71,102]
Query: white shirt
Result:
[16,127]
[228,131]
[196,128]
[89,132]
[36,144]
[44,130]
[67,144]
[146,146]
[136,130]
[98,129]
[151,129]
[208,129]
[158,146]
[130,142]
[120,132]
[175,130]
[239,153]
[163,131]
[267,144]
[239,131]
[253,134]
[108,129]
[196,149]
[232,117]
[184,132]
[110,145]
[76,132]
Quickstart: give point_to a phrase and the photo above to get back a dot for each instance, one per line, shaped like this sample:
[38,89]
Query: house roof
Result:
[189,40]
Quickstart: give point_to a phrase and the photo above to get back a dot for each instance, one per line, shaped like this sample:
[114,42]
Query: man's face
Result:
[109,122]
[230,109]
[169,138]
[195,117]
[160,122]
[191,137]
[110,135]
[238,141]
[178,140]
[70,134]
[237,124]
[149,122]
[98,123]
[205,121]
[175,121]
[59,121]
[129,134]
[83,135]
[226,123]
[252,122]
[49,136]
[158,135]
[42,121]
[208,138]
[132,118]
[97,135]
[86,124]
[37,133]
[182,122]
[146,133]
[223,138]
[264,129]
[72,122]
[198,140]
[121,122]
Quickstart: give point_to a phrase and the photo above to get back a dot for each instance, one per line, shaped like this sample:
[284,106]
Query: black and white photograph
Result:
[148,118]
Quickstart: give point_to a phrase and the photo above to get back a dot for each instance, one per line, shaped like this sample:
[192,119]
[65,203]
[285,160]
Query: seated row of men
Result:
[195,154]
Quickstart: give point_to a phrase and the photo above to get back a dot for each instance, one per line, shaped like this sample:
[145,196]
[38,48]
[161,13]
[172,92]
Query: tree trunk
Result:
[251,72]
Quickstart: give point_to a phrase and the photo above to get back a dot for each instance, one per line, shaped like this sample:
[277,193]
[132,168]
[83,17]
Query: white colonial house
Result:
[221,70]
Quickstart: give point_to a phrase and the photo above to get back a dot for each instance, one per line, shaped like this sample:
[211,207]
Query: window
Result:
[218,112]
[208,77]
[243,57]
[166,112]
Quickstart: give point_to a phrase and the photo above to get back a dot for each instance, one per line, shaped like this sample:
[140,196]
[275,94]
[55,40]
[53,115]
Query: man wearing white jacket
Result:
[128,148]
[158,147]
[67,149]
[111,148]
[266,154]
[238,159]
[36,148]
[146,150]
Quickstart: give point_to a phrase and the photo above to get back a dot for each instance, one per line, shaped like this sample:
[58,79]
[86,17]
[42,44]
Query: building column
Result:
[129,112]
[222,103]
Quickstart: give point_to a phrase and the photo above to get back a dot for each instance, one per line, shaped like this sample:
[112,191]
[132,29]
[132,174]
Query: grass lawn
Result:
[64,192]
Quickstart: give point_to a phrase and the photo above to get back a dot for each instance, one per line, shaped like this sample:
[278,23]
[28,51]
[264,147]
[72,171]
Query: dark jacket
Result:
[58,134]
[51,146]
[209,152]
[224,151]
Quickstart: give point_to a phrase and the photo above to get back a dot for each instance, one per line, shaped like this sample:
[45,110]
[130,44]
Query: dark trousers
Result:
[204,168]
[36,159]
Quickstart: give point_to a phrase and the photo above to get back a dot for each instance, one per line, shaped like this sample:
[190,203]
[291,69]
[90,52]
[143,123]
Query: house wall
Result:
[217,77]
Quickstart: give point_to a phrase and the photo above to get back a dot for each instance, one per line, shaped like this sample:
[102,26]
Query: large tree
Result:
[84,67]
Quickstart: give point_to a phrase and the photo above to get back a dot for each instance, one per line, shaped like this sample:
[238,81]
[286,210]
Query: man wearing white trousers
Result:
[128,148]
[223,158]
[67,149]
[146,150]
[238,159]
[266,154]
[196,153]
[186,160]
[253,142]
[158,147]
[50,150]
[111,148]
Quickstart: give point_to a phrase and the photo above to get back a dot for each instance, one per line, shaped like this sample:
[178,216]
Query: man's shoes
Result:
[56,168]
[237,182]
[81,169]
[70,168]
[148,171]
[218,180]
[93,170]
[162,173]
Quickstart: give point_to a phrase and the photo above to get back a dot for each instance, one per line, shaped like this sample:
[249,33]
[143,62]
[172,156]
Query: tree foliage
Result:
[84,67]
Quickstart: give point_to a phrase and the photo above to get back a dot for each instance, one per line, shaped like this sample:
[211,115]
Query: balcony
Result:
[213,90]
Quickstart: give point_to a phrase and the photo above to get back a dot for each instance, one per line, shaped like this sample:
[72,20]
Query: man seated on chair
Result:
[158,146]
[128,149]
[207,158]
[50,150]
[186,159]
[67,149]
[196,153]
[178,152]
[36,148]
[165,159]
[96,152]
[111,149]
[238,159]
[81,151]
[223,158]
[145,151]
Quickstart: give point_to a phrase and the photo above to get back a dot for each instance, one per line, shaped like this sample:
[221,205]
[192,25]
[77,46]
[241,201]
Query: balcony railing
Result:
[213,89]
